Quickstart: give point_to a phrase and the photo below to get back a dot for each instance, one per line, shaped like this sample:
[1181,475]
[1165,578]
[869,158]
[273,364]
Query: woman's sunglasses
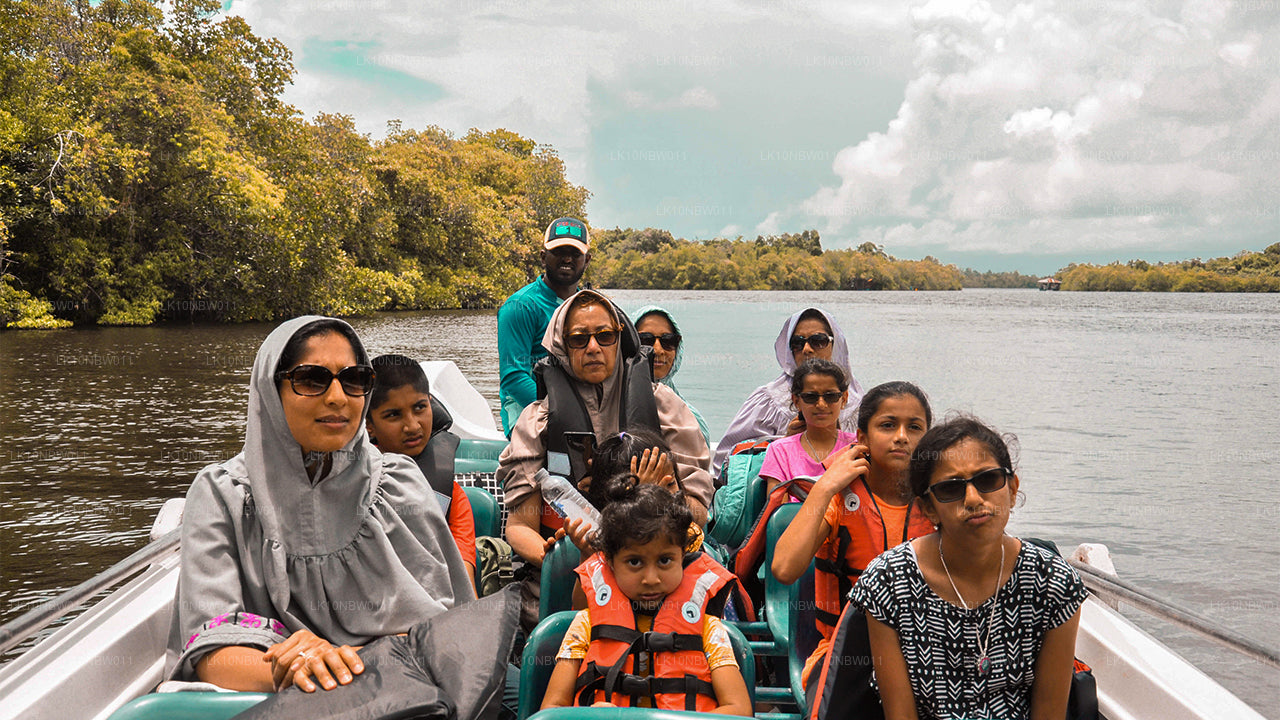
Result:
[987,481]
[817,341]
[604,338]
[670,341]
[811,398]
[313,380]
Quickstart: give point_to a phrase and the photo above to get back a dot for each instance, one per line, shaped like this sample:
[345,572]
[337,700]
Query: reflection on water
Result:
[1146,422]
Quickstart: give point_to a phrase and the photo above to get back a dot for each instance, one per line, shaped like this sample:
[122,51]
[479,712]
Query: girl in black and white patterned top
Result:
[969,622]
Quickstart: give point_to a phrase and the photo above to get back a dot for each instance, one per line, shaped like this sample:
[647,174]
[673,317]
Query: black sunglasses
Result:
[987,481]
[811,398]
[313,380]
[604,338]
[670,341]
[817,341]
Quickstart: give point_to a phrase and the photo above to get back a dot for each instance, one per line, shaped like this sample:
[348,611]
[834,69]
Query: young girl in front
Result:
[969,622]
[646,616]
[859,506]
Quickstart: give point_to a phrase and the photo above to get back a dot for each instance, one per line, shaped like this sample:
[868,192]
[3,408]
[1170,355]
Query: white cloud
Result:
[1038,127]
[1024,125]
[695,97]
[531,66]
[769,226]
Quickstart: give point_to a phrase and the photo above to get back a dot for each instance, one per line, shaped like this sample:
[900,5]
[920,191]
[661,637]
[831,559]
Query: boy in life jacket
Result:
[646,638]
[404,418]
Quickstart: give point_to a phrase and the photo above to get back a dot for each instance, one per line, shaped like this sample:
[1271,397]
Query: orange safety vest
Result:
[859,538]
[681,677]
[550,521]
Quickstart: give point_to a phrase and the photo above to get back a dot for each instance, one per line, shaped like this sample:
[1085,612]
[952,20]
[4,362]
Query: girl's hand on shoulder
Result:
[306,655]
[844,467]
[653,467]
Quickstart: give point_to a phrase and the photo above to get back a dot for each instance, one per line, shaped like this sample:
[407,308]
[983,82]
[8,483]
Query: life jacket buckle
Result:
[659,641]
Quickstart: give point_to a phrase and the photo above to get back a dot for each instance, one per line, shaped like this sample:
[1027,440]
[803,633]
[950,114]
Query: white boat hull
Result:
[1139,678]
[110,654]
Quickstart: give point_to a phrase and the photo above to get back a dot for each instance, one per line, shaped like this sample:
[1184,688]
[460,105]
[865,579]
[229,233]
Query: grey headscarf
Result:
[360,551]
[527,451]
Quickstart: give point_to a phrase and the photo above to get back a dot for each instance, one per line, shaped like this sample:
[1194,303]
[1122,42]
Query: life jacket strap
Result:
[646,641]
[594,680]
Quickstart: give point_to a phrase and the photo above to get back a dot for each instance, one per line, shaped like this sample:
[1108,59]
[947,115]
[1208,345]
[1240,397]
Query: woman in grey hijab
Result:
[310,543]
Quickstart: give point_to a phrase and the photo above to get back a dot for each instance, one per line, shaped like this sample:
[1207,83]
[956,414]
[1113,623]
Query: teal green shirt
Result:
[522,321]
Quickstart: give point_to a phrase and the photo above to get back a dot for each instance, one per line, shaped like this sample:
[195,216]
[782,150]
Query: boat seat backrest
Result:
[558,578]
[484,508]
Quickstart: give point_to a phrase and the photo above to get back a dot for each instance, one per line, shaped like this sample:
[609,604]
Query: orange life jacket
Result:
[859,538]
[681,677]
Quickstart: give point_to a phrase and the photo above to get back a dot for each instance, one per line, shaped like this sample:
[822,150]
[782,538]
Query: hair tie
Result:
[622,435]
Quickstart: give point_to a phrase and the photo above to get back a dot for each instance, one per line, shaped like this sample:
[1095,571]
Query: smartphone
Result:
[583,442]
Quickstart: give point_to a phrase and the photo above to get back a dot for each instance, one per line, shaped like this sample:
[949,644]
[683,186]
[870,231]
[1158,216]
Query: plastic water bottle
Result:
[565,499]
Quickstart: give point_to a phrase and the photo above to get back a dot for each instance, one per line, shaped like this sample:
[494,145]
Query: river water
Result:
[1147,422]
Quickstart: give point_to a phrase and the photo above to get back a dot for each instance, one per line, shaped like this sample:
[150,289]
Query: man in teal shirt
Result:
[523,318]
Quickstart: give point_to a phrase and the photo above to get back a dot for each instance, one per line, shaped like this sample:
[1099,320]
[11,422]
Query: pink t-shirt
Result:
[786,458]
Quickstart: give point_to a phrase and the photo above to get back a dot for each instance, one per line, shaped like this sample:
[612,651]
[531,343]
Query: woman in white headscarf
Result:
[310,542]
[767,412]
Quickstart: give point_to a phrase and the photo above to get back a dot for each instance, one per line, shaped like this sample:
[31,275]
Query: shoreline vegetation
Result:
[150,172]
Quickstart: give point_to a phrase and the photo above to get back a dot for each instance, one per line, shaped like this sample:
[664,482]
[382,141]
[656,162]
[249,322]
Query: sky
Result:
[993,135]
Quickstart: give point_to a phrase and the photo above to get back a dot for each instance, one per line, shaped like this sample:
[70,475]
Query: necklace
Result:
[984,660]
[804,438]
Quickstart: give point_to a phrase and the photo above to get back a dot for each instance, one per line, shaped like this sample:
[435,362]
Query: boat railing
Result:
[41,616]
[1110,586]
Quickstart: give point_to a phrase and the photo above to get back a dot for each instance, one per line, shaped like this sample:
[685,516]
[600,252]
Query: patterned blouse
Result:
[939,640]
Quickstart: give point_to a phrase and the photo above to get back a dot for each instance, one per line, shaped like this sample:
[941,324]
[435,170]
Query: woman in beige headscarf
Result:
[595,357]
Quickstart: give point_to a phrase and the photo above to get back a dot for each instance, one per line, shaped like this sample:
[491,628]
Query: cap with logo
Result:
[567,231]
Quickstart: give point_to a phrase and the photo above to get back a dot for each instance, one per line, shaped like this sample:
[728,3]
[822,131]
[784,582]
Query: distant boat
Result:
[1049,283]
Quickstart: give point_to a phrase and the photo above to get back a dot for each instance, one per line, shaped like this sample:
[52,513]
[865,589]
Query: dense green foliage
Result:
[990,279]
[652,259]
[149,170]
[1244,272]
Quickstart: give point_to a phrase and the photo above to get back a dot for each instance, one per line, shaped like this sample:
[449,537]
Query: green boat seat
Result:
[784,630]
[188,706]
[477,456]
[540,658]
[558,578]
[484,508]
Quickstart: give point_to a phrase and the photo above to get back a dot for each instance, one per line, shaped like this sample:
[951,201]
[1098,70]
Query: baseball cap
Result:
[567,231]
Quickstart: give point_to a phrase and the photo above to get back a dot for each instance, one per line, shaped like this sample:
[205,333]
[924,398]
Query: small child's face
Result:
[402,423]
[648,573]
